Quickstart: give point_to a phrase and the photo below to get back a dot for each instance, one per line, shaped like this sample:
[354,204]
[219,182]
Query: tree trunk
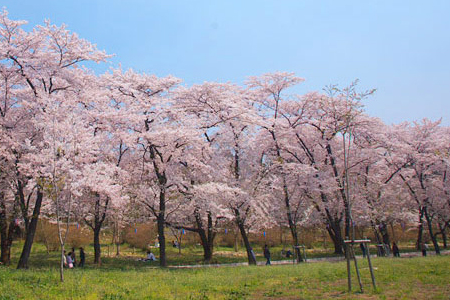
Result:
[7,236]
[161,241]
[248,248]
[240,224]
[161,223]
[207,252]
[385,233]
[334,230]
[97,247]
[161,215]
[420,230]
[61,264]
[385,236]
[211,236]
[380,250]
[6,233]
[297,245]
[205,239]
[6,253]
[30,232]
[430,230]
[333,226]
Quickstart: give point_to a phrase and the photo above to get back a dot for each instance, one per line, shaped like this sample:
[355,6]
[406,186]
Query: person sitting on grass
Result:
[150,257]
[74,258]
[69,260]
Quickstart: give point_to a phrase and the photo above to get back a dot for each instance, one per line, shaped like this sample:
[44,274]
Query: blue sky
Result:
[402,48]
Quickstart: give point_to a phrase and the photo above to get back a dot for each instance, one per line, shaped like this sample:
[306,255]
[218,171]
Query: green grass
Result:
[124,278]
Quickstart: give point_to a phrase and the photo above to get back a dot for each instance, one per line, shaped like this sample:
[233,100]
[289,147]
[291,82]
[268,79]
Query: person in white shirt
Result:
[150,256]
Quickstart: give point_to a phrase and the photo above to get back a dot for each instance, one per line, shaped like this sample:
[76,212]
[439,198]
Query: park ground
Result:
[126,278]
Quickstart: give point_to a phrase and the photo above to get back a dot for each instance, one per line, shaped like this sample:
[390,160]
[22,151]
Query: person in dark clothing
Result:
[288,254]
[395,250]
[363,249]
[267,254]
[82,257]
[74,258]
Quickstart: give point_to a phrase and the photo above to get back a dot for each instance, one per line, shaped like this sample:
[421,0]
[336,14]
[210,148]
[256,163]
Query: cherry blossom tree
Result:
[103,181]
[319,130]
[268,95]
[39,65]
[59,158]
[155,140]
[226,119]
[417,148]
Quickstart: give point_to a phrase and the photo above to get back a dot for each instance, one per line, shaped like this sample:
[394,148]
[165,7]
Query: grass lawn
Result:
[118,278]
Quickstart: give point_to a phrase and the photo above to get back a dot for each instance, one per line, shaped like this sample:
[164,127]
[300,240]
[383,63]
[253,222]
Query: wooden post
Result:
[349,275]
[370,266]
[357,269]
[349,246]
